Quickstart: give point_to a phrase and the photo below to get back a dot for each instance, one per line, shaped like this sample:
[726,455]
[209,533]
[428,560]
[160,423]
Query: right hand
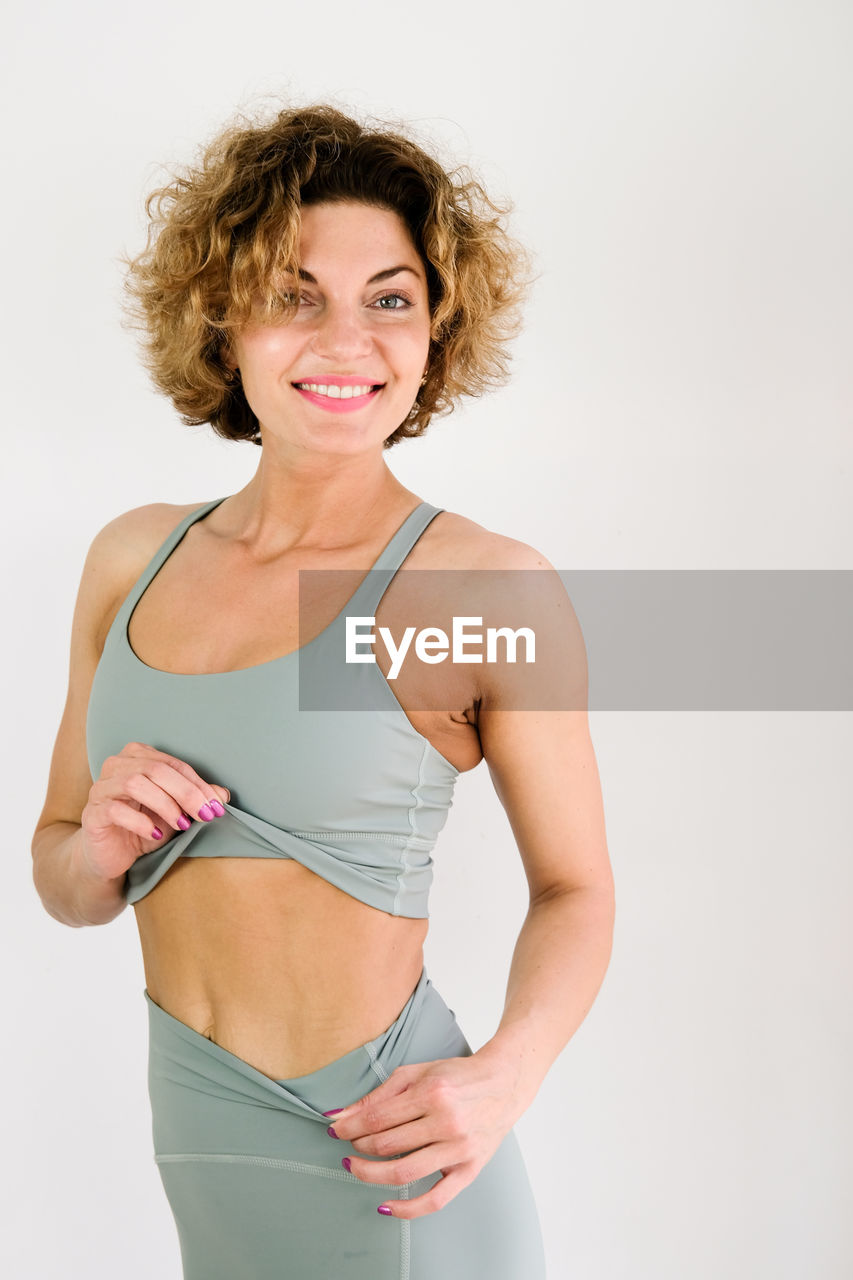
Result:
[139,789]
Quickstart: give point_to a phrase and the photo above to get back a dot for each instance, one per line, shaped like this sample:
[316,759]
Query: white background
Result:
[681,399]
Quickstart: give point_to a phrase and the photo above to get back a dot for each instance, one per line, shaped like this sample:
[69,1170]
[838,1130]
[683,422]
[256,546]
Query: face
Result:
[362,323]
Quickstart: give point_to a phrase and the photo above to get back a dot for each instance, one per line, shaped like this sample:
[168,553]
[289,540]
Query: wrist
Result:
[507,1054]
[82,869]
[98,898]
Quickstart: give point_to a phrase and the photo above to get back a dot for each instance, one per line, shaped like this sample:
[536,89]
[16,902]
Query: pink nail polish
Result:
[156,834]
[184,822]
[330,1131]
[206,813]
[217,808]
[333,1113]
[383,1208]
[346,1162]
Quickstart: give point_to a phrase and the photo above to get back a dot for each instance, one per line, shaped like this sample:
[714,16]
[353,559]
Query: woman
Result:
[320,288]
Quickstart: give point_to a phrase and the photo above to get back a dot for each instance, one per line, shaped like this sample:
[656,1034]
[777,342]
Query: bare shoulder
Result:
[503,579]
[461,543]
[132,533]
[117,555]
[119,552]
[128,541]
[511,588]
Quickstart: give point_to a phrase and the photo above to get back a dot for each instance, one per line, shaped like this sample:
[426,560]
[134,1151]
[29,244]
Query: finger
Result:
[448,1186]
[392,1103]
[190,793]
[164,809]
[406,1168]
[113,812]
[194,797]
[166,832]
[396,1141]
[186,771]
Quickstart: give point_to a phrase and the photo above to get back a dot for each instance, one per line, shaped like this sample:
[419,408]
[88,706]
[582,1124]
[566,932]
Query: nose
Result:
[341,332]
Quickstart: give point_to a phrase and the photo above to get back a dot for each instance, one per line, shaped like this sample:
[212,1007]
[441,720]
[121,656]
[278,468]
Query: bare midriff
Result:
[260,955]
[273,963]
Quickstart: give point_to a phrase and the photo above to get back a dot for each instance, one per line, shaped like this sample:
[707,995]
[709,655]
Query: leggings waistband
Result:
[181,1056]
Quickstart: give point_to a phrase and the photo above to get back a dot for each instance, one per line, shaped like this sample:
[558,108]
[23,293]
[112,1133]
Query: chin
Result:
[333,438]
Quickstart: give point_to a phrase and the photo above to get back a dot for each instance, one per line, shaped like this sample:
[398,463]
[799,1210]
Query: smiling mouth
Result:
[335,392]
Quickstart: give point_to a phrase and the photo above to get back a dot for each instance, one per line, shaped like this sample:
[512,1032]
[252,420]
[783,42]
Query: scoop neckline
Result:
[396,707]
[189,521]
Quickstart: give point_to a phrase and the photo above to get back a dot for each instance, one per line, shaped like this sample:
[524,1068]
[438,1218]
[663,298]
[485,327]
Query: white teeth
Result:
[336,393]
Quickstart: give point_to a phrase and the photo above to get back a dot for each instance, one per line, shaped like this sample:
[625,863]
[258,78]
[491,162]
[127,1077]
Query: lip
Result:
[334,405]
[348,380]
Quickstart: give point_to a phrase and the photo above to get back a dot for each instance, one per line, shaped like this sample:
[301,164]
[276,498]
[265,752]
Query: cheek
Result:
[268,354]
[411,348]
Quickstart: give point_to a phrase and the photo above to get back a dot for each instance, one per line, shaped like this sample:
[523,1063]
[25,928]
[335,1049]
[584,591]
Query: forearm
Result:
[68,890]
[558,966]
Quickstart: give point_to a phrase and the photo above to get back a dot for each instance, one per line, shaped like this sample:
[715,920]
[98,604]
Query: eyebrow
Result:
[380,275]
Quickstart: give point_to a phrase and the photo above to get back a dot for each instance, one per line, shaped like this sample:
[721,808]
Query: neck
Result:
[323,503]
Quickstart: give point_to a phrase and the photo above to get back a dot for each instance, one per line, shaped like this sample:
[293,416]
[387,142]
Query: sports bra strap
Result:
[366,599]
[162,554]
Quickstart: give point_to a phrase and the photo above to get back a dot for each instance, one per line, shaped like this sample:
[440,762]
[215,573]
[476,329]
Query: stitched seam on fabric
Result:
[375,1063]
[268,1162]
[414,834]
[363,835]
[405,1243]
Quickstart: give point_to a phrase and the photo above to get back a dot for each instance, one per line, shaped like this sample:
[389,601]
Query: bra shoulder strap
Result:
[406,537]
[162,554]
[376,583]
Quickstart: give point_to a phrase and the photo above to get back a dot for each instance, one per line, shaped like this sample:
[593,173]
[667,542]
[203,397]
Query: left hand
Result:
[449,1116]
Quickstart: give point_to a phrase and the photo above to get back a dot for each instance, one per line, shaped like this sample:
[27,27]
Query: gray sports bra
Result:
[358,797]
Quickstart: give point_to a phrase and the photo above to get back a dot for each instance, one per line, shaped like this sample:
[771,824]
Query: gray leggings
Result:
[256,1186]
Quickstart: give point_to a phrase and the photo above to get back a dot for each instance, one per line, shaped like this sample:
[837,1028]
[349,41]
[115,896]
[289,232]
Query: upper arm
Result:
[534,733]
[544,771]
[115,558]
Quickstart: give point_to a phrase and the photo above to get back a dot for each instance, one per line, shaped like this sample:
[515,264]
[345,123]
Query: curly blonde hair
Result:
[223,230]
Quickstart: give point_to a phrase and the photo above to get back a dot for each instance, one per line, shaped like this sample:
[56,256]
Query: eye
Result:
[290,296]
[407,302]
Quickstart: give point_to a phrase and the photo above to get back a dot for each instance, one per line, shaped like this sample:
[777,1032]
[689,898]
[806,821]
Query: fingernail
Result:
[346,1163]
[383,1208]
[156,834]
[330,1131]
[334,1112]
[206,813]
[217,808]
[184,822]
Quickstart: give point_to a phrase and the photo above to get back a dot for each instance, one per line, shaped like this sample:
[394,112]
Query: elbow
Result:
[600,889]
[589,907]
